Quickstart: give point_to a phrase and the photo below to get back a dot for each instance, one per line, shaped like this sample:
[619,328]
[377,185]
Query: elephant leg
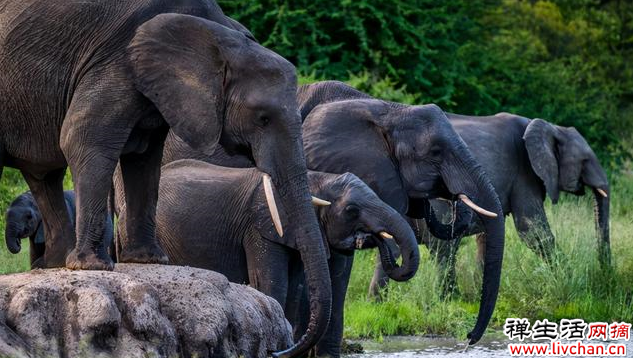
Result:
[36,251]
[268,266]
[141,176]
[533,228]
[58,229]
[95,131]
[297,302]
[340,271]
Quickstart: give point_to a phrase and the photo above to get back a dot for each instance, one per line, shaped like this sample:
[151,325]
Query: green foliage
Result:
[567,61]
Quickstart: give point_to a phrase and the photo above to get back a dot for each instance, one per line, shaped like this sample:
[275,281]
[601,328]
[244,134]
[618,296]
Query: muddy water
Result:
[408,347]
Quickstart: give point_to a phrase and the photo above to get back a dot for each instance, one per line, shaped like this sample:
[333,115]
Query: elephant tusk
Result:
[474,206]
[320,202]
[602,192]
[272,205]
[386,235]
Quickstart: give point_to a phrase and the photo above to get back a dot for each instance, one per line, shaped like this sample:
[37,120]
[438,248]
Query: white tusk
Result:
[320,202]
[386,235]
[602,192]
[474,206]
[272,206]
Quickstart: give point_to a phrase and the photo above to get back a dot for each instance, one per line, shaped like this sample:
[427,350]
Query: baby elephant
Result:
[227,220]
[23,219]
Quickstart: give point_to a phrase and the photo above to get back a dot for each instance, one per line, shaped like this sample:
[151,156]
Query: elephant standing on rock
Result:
[224,219]
[119,76]
[23,219]
[525,160]
[407,155]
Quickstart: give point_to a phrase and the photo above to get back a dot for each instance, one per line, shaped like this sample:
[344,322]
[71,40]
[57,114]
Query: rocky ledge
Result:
[136,311]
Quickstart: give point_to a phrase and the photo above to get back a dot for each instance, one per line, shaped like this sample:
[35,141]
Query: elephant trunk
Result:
[291,182]
[467,177]
[406,241]
[12,237]
[601,209]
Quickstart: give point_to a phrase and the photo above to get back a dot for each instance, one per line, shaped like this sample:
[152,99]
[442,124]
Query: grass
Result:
[574,288]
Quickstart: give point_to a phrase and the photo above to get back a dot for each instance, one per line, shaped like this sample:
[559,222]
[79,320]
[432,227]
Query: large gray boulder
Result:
[136,311]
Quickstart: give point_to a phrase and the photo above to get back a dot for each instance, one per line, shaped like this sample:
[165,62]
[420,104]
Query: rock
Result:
[136,311]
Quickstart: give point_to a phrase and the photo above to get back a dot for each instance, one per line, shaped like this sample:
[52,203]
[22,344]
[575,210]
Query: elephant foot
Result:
[148,254]
[87,259]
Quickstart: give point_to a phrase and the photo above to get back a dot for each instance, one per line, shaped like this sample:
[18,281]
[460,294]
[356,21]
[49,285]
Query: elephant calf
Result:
[23,219]
[227,220]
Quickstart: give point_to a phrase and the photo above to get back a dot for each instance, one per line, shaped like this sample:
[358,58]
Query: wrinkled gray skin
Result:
[217,218]
[24,220]
[527,159]
[407,155]
[87,84]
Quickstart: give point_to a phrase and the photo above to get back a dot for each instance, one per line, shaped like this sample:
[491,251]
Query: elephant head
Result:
[22,220]
[563,159]
[212,85]
[408,154]
[355,218]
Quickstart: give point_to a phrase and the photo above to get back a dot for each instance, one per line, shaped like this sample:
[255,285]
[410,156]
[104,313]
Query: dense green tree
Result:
[567,61]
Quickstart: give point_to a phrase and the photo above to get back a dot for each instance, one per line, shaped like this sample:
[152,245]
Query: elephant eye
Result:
[435,151]
[263,121]
[352,212]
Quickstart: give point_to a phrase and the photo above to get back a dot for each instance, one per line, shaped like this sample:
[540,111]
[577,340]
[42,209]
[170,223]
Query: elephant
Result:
[527,159]
[220,218]
[119,77]
[407,155]
[23,219]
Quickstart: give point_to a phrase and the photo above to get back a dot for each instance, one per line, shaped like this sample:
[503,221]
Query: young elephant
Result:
[527,159]
[223,219]
[23,219]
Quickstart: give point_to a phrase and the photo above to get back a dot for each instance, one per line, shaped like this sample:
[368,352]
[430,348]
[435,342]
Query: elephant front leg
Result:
[340,271]
[141,176]
[268,267]
[533,228]
[58,229]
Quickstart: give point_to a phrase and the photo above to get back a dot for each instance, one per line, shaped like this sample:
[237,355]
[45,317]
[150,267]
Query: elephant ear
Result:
[179,63]
[327,147]
[540,142]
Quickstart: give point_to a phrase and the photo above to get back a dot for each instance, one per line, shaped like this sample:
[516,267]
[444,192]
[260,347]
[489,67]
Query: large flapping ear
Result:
[540,142]
[179,63]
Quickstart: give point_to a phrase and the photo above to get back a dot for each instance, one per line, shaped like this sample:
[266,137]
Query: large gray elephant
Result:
[224,219]
[24,220]
[87,84]
[527,159]
[407,155]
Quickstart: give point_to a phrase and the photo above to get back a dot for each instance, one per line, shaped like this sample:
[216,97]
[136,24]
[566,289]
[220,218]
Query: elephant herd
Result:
[173,118]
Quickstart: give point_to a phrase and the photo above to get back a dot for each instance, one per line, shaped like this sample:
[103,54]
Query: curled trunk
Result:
[12,237]
[408,247]
[601,210]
